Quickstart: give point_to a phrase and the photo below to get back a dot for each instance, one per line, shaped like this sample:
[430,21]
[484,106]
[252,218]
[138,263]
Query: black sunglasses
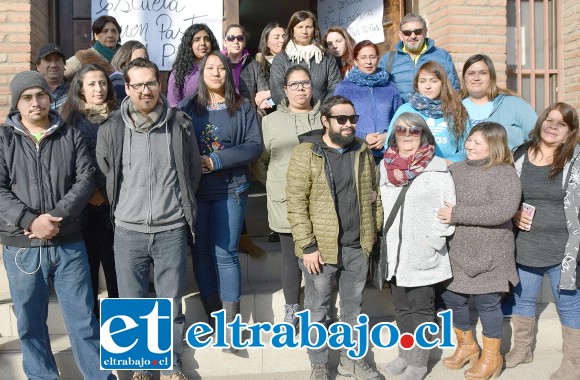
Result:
[232,38]
[341,119]
[408,33]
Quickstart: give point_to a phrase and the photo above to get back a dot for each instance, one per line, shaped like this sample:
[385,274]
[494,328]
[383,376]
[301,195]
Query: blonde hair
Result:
[495,136]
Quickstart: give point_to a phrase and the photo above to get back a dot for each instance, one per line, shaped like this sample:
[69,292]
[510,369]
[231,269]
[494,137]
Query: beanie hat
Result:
[25,80]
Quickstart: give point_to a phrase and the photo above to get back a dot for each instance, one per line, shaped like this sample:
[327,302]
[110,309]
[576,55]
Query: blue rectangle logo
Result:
[137,334]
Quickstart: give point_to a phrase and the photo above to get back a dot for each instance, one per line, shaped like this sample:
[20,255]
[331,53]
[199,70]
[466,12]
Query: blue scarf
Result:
[428,107]
[105,51]
[379,78]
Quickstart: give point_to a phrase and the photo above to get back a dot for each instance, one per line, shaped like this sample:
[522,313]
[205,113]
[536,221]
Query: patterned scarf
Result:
[428,107]
[105,51]
[400,169]
[144,123]
[96,114]
[379,78]
[297,53]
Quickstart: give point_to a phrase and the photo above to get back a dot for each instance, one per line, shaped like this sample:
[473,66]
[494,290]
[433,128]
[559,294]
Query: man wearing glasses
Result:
[411,52]
[334,211]
[150,166]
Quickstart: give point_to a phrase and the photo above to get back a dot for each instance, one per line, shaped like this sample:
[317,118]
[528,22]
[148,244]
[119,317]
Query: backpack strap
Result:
[390,61]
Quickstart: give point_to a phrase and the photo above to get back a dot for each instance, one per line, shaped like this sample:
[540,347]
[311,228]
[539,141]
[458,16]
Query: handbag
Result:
[378,264]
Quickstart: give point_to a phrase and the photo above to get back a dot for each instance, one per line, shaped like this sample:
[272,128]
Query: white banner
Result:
[159,24]
[362,18]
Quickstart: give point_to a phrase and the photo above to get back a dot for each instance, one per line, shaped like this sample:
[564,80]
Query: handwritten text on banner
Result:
[362,18]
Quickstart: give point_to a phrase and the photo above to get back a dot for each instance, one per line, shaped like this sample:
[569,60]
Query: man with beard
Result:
[334,212]
[149,167]
[411,52]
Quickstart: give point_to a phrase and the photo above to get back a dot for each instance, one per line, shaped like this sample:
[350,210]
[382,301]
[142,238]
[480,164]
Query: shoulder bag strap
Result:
[396,207]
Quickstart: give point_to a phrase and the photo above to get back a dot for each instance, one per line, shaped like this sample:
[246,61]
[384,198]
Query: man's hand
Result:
[45,227]
[313,261]
[97,199]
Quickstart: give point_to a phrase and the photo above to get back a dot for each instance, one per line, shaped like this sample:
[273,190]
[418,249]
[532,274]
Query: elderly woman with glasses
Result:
[374,96]
[415,238]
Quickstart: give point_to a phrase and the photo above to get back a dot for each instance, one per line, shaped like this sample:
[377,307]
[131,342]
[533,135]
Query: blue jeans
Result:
[488,306]
[215,252]
[167,250]
[528,289]
[351,273]
[29,271]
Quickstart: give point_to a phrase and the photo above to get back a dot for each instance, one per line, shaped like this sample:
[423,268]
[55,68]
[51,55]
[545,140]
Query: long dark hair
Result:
[185,61]
[564,152]
[493,91]
[123,55]
[296,19]
[99,25]
[202,99]
[346,62]
[453,109]
[73,106]
[263,49]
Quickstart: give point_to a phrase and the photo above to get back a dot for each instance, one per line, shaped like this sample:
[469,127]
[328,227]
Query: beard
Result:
[339,139]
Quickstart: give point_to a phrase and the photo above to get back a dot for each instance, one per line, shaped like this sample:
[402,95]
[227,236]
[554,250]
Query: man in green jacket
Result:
[334,212]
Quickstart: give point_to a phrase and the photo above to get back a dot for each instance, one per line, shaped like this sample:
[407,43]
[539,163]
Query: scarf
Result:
[105,51]
[144,123]
[400,170]
[379,78]
[237,67]
[428,107]
[96,114]
[297,53]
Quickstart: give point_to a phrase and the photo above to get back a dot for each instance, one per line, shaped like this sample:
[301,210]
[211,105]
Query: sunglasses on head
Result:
[232,38]
[341,119]
[413,131]
[408,33]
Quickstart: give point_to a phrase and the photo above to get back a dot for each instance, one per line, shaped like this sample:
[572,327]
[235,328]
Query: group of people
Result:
[99,167]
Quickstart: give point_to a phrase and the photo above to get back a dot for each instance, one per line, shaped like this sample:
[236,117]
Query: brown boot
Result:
[489,363]
[467,350]
[570,367]
[523,332]
[247,245]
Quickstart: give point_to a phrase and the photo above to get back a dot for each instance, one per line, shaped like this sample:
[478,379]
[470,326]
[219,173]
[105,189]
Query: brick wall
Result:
[467,27]
[571,44]
[21,34]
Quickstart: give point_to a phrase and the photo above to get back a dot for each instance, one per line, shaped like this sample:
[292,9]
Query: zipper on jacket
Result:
[149,220]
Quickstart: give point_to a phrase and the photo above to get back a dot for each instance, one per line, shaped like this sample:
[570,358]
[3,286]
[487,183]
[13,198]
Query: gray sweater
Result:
[417,254]
[482,249]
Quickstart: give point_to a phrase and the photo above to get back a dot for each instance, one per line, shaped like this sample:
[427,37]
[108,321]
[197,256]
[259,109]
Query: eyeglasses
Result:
[140,87]
[306,84]
[412,131]
[408,33]
[232,38]
[341,119]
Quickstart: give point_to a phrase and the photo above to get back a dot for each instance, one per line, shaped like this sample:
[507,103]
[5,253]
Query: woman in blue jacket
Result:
[229,140]
[439,104]
[374,96]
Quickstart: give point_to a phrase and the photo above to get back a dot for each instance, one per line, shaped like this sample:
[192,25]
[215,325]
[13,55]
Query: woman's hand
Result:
[262,99]
[206,164]
[376,140]
[444,214]
[522,221]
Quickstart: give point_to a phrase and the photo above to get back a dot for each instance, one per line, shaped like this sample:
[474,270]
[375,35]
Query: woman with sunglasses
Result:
[229,138]
[481,251]
[303,47]
[374,96]
[548,237]
[196,42]
[340,44]
[436,101]
[417,253]
[294,116]
[91,99]
[485,101]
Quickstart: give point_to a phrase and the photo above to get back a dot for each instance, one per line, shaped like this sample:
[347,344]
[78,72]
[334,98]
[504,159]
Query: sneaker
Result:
[319,372]
[141,376]
[290,314]
[359,369]
[174,376]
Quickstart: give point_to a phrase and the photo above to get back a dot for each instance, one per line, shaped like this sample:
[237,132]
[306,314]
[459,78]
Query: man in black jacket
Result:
[46,179]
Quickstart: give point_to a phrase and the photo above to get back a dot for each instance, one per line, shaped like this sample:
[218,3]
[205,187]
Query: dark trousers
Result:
[99,236]
[488,306]
[413,306]
[291,273]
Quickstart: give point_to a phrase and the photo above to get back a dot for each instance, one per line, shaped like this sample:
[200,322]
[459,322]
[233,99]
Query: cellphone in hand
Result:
[529,211]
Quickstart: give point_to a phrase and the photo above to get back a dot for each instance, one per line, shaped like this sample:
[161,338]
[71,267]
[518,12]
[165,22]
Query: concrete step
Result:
[270,363]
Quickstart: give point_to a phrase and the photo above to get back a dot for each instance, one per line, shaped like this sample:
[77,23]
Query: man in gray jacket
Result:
[150,166]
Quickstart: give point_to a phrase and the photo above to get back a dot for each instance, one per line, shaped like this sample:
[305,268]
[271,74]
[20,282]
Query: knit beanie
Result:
[25,80]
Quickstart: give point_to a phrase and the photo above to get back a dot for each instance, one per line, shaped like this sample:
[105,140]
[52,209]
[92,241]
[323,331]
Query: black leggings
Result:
[489,308]
[291,273]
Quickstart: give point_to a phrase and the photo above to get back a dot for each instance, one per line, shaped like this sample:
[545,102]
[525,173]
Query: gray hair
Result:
[413,17]
[415,120]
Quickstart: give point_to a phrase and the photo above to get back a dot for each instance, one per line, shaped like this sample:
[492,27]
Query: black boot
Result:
[211,304]
[232,309]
